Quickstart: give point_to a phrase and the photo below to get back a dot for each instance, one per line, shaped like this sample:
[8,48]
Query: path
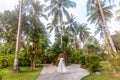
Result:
[74,72]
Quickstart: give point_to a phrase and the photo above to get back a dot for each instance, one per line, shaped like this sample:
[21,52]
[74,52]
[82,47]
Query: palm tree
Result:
[100,14]
[101,31]
[71,28]
[16,68]
[117,12]
[57,9]
[55,28]
[83,32]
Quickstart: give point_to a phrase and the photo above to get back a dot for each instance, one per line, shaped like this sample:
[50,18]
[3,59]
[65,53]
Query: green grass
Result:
[25,74]
[99,77]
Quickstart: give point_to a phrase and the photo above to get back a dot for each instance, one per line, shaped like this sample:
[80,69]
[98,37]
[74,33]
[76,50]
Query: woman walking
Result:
[61,64]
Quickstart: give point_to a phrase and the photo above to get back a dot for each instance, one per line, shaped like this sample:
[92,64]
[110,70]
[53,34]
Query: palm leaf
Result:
[69,4]
[66,13]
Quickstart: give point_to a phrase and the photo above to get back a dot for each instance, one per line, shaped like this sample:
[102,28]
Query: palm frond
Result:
[66,13]
[44,16]
[69,4]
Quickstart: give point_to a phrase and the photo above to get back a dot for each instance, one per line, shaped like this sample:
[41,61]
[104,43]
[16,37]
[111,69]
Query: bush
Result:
[76,53]
[91,62]
[10,59]
[3,62]
[2,74]
[106,66]
[82,60]
[115,63]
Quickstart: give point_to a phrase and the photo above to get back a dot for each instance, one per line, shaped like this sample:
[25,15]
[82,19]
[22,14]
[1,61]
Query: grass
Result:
[99,77]
[25,74]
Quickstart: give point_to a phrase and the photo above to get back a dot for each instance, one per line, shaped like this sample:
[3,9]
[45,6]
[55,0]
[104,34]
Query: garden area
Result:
[35,32]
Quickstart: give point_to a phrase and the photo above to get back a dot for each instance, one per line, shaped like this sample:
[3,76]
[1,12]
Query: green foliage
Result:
[6,60]
[10,58]
[91,62]
[99,77]
[106,66]
[115,63]
[23,58]
[92,48]
[110,64]
[83,60]
[25,74]
[116,40]
[75,55]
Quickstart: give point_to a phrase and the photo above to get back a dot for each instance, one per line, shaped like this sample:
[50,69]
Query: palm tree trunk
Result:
[16,68]
[61,35]
[106,28]
[106,44]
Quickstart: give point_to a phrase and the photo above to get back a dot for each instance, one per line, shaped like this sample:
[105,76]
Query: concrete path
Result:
[74,72]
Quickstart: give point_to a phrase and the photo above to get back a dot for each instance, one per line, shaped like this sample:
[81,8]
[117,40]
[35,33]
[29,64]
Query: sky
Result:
[79,12]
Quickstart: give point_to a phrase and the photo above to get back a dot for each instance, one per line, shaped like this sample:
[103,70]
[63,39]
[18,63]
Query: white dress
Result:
[61,65]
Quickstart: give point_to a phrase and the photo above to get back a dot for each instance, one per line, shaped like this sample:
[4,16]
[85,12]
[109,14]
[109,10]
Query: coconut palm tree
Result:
[71,28]
[100,30]
[99,13]
[117,12]
[16,68]
[71,25]
[55,28]
[83,32]
[58,8]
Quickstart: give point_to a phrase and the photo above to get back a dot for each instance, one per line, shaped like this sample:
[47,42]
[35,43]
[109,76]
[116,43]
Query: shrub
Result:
[76,53]
[91,62]
[106,66]
[10,59]
[3,62]
[115,63]
[82,60]
[2,74]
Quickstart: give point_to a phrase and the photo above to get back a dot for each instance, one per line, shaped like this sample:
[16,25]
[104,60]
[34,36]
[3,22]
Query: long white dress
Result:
[61,65]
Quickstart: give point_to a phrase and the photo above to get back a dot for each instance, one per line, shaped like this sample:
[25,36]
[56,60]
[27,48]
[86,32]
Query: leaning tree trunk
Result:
[106,28]
[16,68]
[106,44]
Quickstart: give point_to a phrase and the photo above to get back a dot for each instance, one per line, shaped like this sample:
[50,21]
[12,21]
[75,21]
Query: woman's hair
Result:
[61,56]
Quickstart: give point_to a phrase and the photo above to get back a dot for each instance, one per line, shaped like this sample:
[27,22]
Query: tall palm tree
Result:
[71,25]
[83,32]
[16,68]
[53,27]
[57,9]
[71,28]
[100,30]
[103,35]
[117,12]
[100,14]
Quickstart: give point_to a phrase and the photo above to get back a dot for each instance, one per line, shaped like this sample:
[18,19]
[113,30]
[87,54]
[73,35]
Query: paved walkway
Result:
[74,72]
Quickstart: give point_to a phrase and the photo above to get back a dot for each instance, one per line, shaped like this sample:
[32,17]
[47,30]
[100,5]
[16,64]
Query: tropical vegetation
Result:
[25,43]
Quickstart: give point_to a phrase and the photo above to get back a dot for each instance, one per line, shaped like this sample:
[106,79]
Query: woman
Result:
[61,64]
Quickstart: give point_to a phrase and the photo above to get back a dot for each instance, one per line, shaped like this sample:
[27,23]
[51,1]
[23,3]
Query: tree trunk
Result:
[16,68]
[106,28]
[33,64]
[61,36]
[106,44]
